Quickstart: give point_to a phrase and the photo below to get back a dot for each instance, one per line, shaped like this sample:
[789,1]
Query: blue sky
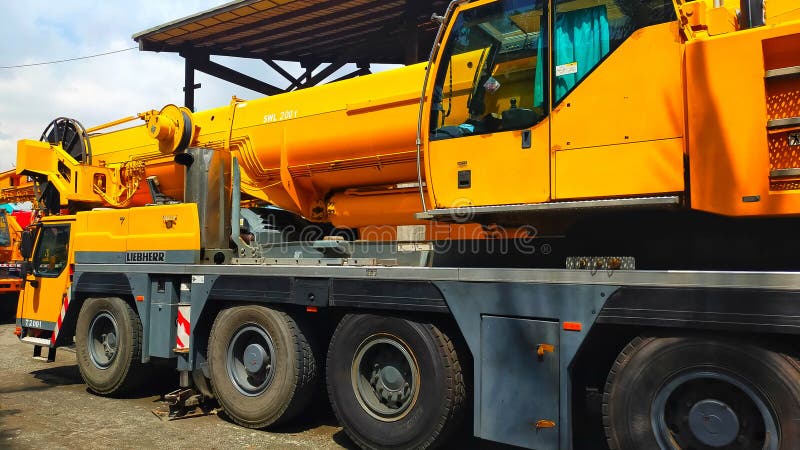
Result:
[95,90]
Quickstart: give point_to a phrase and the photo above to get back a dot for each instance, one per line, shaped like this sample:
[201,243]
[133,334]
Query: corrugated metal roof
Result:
[374,31]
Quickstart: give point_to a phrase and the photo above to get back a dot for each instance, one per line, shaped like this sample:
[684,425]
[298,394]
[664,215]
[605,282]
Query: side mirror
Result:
[26,245]
[27,269]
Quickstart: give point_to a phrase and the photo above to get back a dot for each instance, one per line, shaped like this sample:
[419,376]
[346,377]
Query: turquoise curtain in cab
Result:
[581,38]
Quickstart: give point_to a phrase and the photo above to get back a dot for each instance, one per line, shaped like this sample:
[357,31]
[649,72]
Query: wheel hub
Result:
[713,423]
[385,377]
[103,343]
[255,357]
[250,360]
[109,344]
[390,386]
[712,409]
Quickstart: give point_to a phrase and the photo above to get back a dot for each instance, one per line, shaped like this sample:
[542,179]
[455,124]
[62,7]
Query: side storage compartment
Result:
[164,298]
[519,381]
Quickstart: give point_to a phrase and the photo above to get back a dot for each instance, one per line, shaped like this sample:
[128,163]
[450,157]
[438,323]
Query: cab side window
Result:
[491,75]
[586,31]
[5,236]
[51,254]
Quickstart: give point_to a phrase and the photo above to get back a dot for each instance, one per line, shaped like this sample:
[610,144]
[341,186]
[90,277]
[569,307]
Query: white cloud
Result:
[95,90]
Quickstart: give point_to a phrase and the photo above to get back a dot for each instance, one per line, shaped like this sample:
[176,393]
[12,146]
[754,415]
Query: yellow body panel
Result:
[731,150]
[620,131]
[501,171]
[102,231]
[776,11]
[166,227]
[641,168]
[635,95]
[43,302]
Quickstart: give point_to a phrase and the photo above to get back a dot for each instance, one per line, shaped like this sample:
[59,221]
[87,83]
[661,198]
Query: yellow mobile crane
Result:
[652,145]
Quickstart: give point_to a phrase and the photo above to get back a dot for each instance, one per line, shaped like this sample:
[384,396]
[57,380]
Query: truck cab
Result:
[47,276]
[10,232]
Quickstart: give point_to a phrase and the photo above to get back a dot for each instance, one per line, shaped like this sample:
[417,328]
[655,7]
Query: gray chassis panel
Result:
[469,302]
[666,278]
[543,294]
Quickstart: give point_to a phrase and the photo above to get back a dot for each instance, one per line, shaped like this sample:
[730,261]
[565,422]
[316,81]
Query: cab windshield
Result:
[51,253]
[491,75]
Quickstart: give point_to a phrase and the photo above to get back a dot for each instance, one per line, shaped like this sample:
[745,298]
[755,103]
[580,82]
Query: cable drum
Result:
[72,137]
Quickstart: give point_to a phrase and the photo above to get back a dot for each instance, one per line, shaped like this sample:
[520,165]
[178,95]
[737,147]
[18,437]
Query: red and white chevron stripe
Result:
[184,328]
[64,306]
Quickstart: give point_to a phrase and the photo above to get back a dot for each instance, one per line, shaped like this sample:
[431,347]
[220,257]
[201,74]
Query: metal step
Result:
[780,123]
[469,211]
[783,72]
[790,172]
[36,341]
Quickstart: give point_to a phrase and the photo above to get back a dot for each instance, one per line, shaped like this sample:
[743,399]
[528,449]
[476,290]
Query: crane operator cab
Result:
[499,83]
[498,54]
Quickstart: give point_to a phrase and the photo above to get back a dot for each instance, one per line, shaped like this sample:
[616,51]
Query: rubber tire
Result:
[647,363]
[125,373]
[295,379]
[440,404]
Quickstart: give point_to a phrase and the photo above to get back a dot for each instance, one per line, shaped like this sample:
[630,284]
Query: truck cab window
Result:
[585,32]
[5,235]
[51,253]
[491,76]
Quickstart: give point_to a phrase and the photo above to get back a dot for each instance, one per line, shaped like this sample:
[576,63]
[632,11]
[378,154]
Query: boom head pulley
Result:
[172,127]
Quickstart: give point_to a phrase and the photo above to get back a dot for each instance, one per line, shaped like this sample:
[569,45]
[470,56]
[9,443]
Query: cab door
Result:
[618,100]
[47,281]
[488,131]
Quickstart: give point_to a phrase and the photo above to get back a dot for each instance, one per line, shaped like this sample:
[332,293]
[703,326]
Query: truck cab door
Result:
[488,130]
[46,281]
[617,121]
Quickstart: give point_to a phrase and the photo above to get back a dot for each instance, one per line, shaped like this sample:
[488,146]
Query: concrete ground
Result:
[47,405]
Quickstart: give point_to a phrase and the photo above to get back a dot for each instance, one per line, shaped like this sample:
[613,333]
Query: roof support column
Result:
[188,83]
[412,11]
